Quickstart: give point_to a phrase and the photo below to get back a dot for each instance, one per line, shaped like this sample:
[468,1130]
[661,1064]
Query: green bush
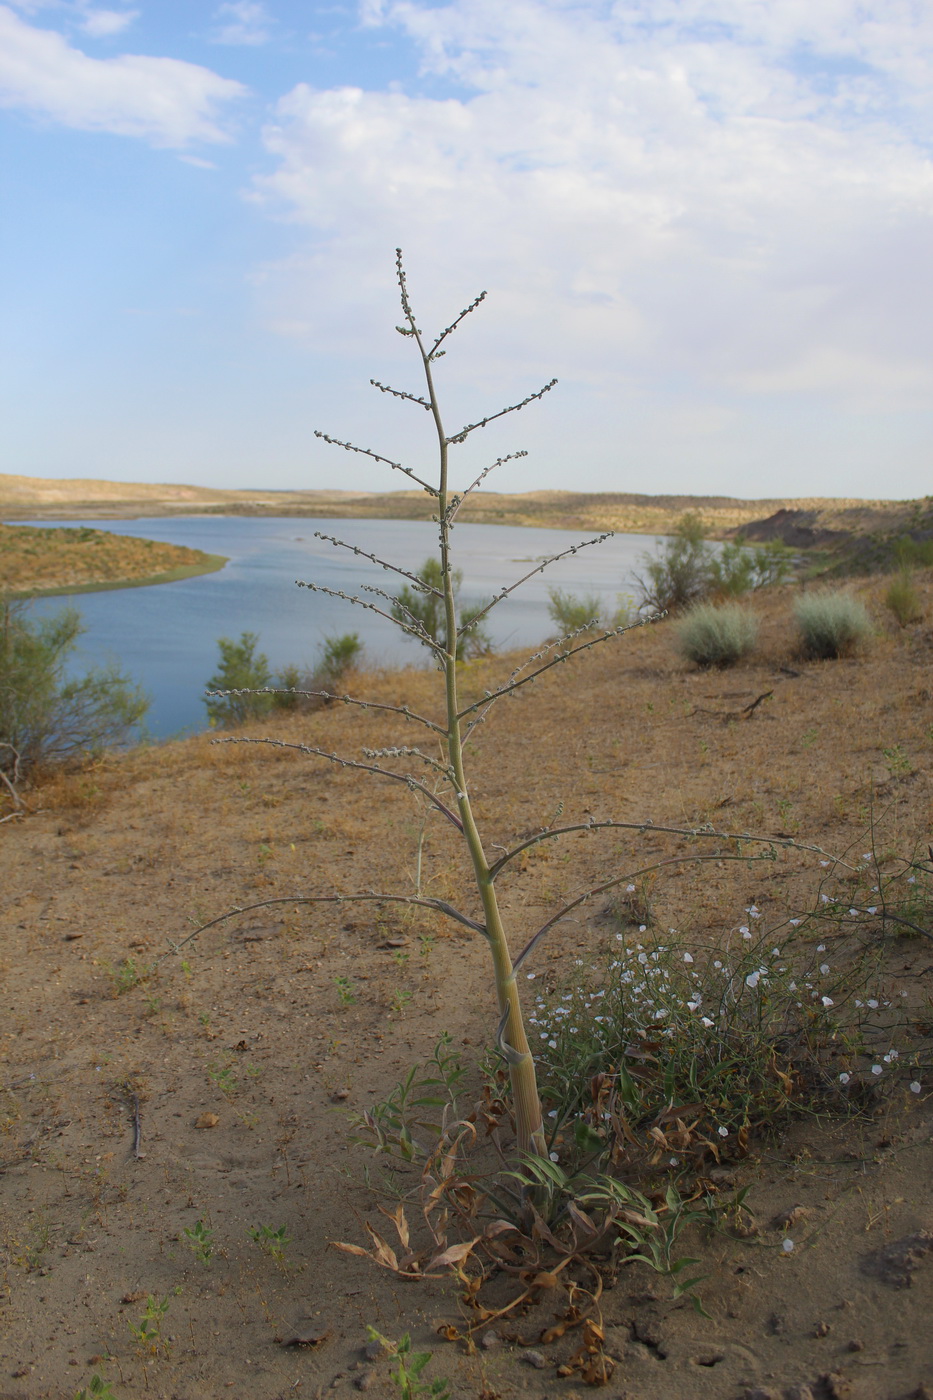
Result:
[424,607]
[902,598]
[679,575]
[338,656]
[831,624]
[241,668]
[688,570]
[740,568]
[44,716]
[711,635]
[572,614]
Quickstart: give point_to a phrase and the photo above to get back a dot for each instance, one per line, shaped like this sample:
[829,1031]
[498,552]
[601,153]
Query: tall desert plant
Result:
[444,782]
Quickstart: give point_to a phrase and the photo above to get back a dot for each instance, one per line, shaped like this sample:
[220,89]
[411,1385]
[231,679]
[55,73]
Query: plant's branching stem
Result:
[383,563]
[424,902]
[403,751]
[432,353]
[464,432]
[400,394]
[409,779]
[366,452]
[706,832]
[618,880]
[457,501]
[402,710]
[506,590]
[361,603]
[512,686]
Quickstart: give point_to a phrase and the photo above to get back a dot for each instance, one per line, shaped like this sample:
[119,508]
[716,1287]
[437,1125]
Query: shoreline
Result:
[212,564]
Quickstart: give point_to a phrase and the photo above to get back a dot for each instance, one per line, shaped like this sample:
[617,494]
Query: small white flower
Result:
[743,930]
[630,889]
[552,1113]
[828,1001]
[824,898]
[552,1044]
[752,979]
[717,964]
[555,1157]
[792,986]
[824,863]
[705,1021]
[854,912]
[877,1069]
[531,976]
[916,1087]
[794,923]
[788,1246]
[775,952]
[873,1003]
[872,908]
[867,855]
[687,958]
[821,947]
[844,1078]
[675,1162]
[642,928]
[723,1132]
[824,968]
[911,879]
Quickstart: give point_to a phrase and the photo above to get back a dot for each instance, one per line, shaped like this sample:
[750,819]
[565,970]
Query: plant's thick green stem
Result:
[526,1100]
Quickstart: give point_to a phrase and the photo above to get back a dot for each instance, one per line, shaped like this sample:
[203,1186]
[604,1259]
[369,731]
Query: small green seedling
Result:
[345,991]
[200,1241]
[272,1242]
[98,1387]
[410,1365]
[147,1333]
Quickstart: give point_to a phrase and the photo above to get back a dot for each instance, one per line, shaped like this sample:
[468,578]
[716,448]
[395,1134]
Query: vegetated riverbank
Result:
[47,561]
[138,1097]
[800,522]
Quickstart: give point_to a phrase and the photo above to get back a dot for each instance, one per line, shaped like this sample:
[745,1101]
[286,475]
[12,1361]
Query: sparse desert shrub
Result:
[688,569]
[338,656]
[902,598]
[831,624]
[44,715]
[717,635]
[422,605]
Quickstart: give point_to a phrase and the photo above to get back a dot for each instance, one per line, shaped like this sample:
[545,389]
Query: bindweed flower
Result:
[877,1069]
[723,1132]
[916,1087]
[788,1246]
[844,1078]
[688,958]
[827,1002]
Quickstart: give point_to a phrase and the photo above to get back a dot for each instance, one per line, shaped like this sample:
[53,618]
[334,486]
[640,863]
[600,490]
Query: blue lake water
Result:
[165,636]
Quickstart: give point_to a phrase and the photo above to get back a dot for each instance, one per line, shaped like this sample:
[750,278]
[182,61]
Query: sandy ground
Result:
[221,1086]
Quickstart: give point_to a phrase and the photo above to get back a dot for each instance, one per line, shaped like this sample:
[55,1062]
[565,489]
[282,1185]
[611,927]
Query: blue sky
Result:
[712,220]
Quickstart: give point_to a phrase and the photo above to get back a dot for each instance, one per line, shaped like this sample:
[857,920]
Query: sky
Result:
[711,220]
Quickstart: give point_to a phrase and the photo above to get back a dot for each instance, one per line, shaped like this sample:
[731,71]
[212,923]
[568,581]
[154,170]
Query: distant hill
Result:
[801,522]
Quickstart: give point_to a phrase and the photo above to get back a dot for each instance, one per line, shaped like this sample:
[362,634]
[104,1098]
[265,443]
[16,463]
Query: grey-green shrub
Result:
[717,636]
[46,716]
[831,624]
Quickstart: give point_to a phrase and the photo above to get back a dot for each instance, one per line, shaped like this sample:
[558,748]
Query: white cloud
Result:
[100,24]
[719,199]
[244,22]
[163,100]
